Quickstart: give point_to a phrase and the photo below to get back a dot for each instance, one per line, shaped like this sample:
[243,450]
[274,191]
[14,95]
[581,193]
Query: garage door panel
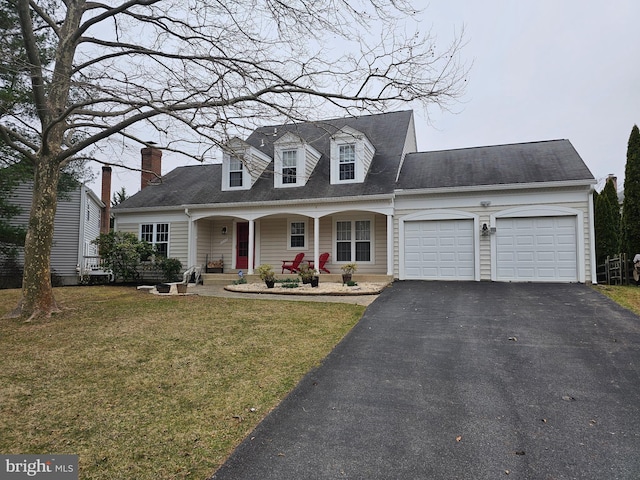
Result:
[444,250]
[524,257]
[536,249]
[546,257]
[569,240]
[465,258]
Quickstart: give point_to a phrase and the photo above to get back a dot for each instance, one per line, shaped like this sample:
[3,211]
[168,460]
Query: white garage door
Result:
[439,250]
[536,249]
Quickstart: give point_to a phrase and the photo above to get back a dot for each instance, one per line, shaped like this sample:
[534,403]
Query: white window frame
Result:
[279,165]
[285,154]
[353,240]
[154,234]
[304,221]
[236,165]
[342,160]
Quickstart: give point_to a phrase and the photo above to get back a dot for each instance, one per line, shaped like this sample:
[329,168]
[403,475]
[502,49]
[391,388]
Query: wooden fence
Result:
[616,270]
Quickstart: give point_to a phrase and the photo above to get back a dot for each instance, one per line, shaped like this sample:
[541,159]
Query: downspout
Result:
[592,238]
[81,231]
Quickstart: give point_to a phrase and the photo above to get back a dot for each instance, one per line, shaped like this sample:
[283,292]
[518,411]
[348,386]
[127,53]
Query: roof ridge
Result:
[329,120]
[493,146]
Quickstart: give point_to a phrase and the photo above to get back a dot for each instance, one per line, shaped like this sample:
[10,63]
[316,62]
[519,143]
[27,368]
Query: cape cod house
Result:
[357,188]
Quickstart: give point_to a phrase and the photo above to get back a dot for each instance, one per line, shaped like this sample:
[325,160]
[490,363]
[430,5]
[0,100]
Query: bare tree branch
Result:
[196,73]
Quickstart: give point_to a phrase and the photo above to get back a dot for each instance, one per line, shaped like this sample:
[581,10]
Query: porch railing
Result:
[94,266]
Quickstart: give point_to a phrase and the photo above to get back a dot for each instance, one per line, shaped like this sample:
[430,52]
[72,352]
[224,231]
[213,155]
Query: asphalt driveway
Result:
[452,380]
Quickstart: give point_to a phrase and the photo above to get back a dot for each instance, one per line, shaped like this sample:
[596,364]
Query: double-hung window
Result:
[347,161]
[297,234]
[353,241]
[289,166]
[235,172]
[157,234]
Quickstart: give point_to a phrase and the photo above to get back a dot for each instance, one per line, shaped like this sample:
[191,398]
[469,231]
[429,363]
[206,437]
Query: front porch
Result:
[245,240]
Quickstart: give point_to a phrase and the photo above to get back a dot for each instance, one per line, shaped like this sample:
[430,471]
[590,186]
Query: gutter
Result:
[296,201]
[497,187]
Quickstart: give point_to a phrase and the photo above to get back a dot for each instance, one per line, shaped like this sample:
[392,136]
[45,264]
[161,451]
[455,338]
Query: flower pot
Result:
[163,288]
[306,280]
[270,283]
[182,287]
[346,277]
[315,281]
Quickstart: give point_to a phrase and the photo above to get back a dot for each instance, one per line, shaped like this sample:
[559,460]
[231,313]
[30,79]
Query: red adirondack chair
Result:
[322,260]
[292,266]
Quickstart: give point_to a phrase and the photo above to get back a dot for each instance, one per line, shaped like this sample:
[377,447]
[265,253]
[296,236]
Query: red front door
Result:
[242,245]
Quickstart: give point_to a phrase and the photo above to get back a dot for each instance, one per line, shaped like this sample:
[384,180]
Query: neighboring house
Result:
[77,223]
[358,189]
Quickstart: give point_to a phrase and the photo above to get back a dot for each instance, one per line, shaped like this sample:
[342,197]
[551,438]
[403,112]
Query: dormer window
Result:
[289,166]
[242,165]
[294,160]
[347,161]
[351,156]
[235,172]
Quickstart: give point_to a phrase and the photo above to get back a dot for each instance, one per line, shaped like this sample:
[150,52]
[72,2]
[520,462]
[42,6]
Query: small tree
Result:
[122,253]
[119,197]
[607,222]
[631,205]
[170,268]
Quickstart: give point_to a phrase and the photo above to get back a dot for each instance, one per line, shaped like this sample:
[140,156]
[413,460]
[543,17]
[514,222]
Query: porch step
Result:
[229,278]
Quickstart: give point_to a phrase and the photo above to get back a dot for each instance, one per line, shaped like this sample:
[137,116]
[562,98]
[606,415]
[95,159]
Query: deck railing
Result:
[94,266]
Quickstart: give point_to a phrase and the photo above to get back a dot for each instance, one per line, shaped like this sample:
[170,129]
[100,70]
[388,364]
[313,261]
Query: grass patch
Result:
[148,387]
[626,295]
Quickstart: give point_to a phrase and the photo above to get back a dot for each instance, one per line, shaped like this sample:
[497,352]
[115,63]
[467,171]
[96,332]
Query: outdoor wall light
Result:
[486,230]
[224,230]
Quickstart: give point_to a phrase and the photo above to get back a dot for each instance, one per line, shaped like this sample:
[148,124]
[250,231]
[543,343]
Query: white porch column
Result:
[316,242]
[193,244]
[390,244]
[190,247]
[252,229]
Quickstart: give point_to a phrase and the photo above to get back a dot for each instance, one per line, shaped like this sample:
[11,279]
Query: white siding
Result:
[576,200]
[91,226]
[178,236]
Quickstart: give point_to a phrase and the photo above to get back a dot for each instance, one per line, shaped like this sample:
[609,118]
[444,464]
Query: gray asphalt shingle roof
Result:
[547,161]
[201,184]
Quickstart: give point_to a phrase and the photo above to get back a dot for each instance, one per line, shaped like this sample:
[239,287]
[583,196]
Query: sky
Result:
[540,70]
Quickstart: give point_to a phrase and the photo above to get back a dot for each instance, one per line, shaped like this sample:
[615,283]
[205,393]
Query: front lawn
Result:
[148,387]
[628,296]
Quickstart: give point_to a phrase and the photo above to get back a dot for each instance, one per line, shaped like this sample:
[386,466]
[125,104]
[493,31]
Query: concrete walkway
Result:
[479,380]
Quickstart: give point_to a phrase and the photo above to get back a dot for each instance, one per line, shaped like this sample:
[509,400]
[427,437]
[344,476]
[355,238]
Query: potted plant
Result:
[308,274]
[347,271]
[267,274]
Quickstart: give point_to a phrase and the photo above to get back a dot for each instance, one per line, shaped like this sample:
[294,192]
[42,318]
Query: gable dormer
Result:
[294,161]
[242,165]
[351,156]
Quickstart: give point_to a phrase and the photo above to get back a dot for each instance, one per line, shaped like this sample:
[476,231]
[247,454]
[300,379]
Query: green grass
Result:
[148,387]
[628,296]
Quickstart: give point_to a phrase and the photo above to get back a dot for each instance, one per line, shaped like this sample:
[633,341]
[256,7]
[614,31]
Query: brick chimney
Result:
[151,166]
[105,216]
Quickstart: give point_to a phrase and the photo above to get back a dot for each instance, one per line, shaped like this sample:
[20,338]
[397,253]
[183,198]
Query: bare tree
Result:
[196,72]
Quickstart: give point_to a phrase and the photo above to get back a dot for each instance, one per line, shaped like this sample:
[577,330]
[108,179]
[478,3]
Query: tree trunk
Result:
[37,293]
